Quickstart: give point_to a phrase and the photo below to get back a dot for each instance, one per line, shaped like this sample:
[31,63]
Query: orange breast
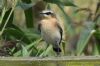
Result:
[49,24]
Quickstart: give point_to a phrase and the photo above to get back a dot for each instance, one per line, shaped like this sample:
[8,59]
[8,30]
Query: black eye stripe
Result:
[48,13]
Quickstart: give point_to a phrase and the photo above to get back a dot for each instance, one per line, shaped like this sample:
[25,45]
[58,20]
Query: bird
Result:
[50,29]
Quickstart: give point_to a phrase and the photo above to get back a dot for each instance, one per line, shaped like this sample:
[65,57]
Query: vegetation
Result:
[20,38]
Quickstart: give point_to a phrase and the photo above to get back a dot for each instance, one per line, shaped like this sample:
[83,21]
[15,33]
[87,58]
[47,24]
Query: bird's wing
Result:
[60,30]
[39,27]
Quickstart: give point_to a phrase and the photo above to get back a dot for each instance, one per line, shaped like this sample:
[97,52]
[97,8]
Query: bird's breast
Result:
[48,28]
[50,33]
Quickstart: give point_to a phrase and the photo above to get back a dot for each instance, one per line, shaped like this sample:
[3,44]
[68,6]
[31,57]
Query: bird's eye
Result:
[49,13]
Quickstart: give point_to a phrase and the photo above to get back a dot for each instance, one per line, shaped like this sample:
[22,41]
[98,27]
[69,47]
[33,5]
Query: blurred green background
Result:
[79,19]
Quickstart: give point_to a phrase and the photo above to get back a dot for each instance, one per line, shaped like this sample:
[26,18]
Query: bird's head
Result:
[47,14]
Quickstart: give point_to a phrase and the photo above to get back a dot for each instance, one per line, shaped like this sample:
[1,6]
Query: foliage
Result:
[26,41]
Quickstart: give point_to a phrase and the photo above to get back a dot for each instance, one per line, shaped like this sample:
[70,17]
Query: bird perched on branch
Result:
[50,29]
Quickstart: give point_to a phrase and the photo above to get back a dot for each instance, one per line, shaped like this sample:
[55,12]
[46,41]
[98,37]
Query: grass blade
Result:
[24,51]
[68,21]
[85,35]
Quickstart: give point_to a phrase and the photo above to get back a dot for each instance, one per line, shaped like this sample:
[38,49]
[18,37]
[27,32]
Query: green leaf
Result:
[29,18]
[31,52]
[26,1]
[28,14]
[96,49]
[2,15]
[33,44]
[1,4]
[5,17]
[30,47]
[85,35]
[68,3]
[97,34]
[32,33]
[61,2]
[24,51]
[97,45]
[67,21]
[17,54]
[25,5]
[17,34]
[9,19]
[46,52]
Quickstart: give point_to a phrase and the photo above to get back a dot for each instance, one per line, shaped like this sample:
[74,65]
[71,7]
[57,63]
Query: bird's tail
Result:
[57,50]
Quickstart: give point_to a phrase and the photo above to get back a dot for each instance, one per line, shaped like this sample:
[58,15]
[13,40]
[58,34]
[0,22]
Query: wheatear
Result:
[50,29]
